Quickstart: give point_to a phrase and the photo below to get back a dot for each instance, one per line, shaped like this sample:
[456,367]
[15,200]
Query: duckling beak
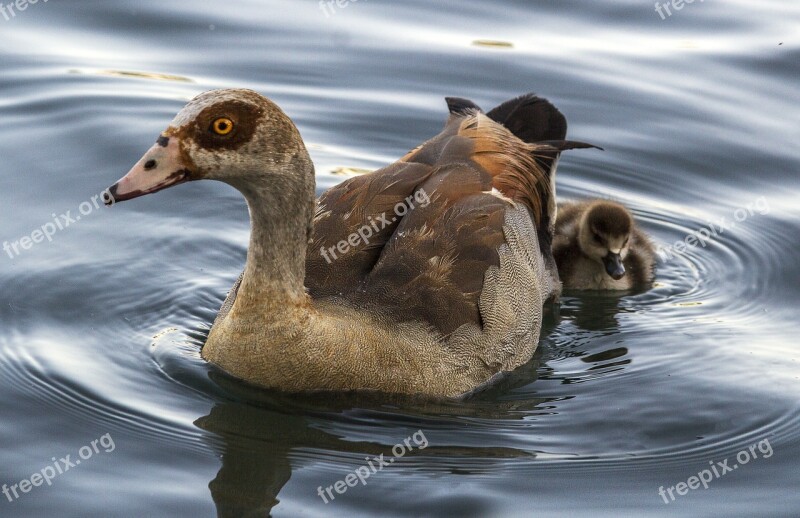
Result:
[614,266]
[159,168]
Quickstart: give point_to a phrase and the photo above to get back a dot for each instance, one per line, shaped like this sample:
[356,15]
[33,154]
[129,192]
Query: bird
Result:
[597,246]
[426,277]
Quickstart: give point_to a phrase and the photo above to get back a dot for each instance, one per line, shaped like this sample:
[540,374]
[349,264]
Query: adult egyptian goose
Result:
[425,277]
[598,246]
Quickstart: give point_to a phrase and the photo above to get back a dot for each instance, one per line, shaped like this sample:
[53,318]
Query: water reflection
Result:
[259,439]
[595,311]
[255,457]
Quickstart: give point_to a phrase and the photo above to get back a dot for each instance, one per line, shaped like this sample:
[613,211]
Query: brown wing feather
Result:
[346,209]
[433,267]
[429,264]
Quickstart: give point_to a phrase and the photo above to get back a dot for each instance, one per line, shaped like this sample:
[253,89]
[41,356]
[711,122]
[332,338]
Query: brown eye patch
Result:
[227,125]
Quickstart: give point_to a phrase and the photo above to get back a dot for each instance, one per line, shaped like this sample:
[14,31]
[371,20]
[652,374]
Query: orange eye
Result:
[222,126]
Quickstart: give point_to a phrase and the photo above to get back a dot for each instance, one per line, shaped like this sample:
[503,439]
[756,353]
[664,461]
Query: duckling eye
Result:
[598,239]
[222,126]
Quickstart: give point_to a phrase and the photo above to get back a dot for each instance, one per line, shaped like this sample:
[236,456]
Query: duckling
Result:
[597,246]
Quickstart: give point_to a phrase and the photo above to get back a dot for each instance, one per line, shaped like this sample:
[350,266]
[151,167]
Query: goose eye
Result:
[222,126]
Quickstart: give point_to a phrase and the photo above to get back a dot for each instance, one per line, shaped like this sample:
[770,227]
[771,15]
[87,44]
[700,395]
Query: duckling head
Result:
[604,235]
[235,136]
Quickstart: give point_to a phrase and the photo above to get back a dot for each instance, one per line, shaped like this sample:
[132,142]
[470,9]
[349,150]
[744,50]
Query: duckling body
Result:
[597,246]
[425,277]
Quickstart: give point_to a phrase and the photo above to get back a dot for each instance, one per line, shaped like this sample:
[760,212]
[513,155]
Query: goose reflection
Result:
[258,434]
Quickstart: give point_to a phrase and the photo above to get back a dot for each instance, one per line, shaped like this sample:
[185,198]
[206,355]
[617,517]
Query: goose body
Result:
[425,277]
[597,246]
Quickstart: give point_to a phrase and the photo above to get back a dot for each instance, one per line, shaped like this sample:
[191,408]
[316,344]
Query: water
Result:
[100,329]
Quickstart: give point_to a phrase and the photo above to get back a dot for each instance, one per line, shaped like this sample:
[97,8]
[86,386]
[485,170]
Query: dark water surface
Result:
[100,329]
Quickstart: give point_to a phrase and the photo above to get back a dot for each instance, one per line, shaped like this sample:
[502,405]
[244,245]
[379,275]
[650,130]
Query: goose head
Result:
[604,236]
[235,136]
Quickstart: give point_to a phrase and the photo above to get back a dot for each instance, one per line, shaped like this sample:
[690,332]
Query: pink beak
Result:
[159,168]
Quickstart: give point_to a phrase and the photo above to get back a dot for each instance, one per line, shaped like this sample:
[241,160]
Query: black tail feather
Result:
[459,106]
[535,120]
[531,118]
[564,145]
